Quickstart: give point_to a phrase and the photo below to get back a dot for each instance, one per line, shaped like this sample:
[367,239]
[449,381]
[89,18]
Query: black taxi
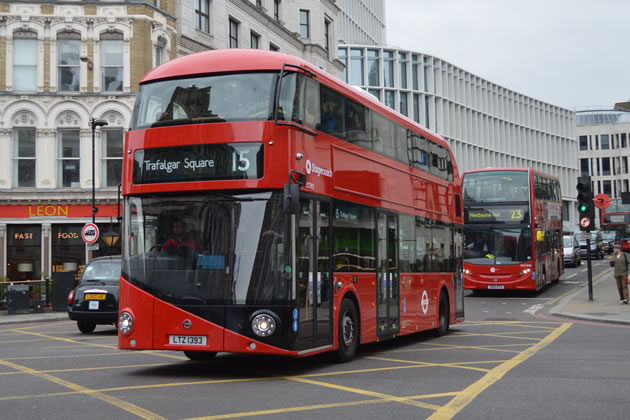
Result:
[95,299]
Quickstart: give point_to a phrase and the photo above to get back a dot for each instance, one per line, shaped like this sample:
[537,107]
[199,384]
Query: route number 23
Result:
[517,214]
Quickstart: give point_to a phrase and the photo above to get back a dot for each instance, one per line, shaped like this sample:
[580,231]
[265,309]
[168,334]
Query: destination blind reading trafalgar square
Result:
[204,162]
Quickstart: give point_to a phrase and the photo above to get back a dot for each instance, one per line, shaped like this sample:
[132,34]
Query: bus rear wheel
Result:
[347,331]
[200,355]
[443,316]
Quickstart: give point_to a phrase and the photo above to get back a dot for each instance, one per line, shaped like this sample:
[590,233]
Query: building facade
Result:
[486,125]
[65,62]
[303,28]
[362,22]
[604,149]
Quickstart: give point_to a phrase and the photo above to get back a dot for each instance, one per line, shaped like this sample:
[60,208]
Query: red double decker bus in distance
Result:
[270,208]
[617,218]
[513,229]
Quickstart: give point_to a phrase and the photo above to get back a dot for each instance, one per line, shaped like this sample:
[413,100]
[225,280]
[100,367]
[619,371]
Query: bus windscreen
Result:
[496,186]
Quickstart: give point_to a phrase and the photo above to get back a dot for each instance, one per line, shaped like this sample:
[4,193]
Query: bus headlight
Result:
[526,271]
[263,324]
[467,272]
[125,322]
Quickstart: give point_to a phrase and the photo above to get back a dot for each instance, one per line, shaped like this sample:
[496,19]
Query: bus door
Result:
[459,273]
[314,277]
[387,285]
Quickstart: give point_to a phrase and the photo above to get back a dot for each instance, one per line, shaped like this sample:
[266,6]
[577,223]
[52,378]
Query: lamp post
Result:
[94,123]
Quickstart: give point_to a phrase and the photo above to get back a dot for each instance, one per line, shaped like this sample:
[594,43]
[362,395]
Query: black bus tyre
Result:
[200,355]
[86,327]
[443,316]
[347,331]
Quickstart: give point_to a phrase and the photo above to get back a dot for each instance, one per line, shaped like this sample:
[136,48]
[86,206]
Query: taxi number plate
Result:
[188,340]
[94,296]
[495,286]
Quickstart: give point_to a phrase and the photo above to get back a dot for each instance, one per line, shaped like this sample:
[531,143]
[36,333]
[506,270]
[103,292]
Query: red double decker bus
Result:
[513,229]
[616,218]
[270,208]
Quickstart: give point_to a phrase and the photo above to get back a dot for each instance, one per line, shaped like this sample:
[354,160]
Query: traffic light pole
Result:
[588,265]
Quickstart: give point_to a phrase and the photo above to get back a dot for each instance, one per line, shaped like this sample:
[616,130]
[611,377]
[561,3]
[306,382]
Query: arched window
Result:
[68,63]
[24,149]
[161,55]
[25,61]
[112,61]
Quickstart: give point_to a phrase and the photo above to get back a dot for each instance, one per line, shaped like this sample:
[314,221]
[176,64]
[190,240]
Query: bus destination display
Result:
[204,162]
[497,214]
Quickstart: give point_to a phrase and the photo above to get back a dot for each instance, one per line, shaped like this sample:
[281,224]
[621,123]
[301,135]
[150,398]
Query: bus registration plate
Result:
[188,340]
[495,286]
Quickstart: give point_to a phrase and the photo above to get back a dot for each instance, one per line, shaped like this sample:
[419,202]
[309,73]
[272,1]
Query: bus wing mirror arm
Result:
[291,193]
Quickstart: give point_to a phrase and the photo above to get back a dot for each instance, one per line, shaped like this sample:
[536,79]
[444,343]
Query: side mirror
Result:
[291,199]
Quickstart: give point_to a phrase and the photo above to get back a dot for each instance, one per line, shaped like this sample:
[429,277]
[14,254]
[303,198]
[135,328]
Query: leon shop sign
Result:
[55,210]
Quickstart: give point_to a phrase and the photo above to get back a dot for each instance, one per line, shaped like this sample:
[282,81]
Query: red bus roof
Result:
[242,59]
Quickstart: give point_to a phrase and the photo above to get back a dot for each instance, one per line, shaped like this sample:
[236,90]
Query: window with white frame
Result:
[160,51]
[233,33]
[111,157]
[24,157]
[254,40]
[24,61]
[68,158]
[202,15]
[305,30]
[112,62]
[68,62]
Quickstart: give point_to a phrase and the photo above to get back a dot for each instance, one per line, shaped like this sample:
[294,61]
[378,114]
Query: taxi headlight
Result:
[263,324]
[125,322]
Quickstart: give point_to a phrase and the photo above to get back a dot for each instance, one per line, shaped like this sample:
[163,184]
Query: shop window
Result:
[68,63]
[111,161]
[67,248]
[68,159]
[24,157]
[112,62]
[25,61]
[24,252]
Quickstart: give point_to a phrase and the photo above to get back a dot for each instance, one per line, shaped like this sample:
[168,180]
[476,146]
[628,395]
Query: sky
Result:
[570,53]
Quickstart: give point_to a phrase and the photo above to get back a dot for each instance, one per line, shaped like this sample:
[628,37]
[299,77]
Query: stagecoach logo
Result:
[187,324]
[492,270]
[312,167]
[425,301]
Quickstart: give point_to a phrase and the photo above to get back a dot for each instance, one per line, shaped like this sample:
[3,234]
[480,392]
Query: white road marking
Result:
[486,311]
[572,282]
[572,275]
[585,270]
[533,309]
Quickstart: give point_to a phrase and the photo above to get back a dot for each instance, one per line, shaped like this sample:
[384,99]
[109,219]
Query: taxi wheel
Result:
[200,355]
[86,327]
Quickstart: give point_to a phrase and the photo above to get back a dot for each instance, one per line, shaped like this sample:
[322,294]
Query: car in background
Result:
[95,299]
[610,239]
[572,252]
[597,244]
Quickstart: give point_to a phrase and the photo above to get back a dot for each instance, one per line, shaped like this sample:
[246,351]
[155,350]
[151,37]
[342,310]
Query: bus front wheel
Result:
[200,355]
[347,331]
[443,320]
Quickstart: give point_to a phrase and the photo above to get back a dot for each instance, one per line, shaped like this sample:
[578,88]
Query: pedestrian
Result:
[621,263]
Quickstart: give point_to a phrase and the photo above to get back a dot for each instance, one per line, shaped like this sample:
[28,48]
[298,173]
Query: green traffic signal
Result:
[583,208]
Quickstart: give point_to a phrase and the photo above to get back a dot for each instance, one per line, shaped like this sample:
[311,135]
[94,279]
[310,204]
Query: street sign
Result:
[602,201]
[585,222]
[89,233]
[92,247]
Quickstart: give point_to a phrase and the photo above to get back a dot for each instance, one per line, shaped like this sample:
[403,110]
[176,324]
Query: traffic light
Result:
[586,210]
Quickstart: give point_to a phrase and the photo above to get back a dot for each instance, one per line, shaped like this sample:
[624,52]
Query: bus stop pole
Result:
[590,269]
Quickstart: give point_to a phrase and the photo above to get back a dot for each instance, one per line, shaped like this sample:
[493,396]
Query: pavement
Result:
[604,307]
